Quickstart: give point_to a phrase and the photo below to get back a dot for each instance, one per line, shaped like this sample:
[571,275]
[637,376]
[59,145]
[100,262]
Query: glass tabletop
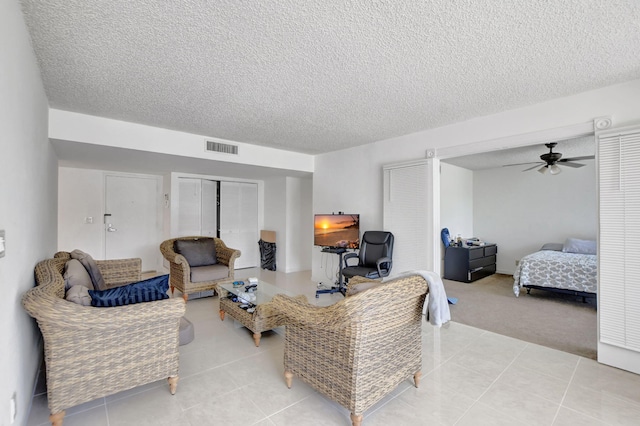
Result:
[264,291]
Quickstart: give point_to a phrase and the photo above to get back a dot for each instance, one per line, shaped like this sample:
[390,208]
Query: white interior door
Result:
[133,219]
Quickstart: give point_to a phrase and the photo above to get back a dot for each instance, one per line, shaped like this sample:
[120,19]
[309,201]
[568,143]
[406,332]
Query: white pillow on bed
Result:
[574,245]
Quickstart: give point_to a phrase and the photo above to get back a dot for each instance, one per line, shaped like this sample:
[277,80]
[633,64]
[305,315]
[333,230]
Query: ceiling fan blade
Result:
[586,157]
[531,168]
[574,165]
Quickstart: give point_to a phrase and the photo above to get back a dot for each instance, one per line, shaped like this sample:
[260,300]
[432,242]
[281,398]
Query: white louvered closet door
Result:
[189,206]
[406,215]
[618,262]
[197,207]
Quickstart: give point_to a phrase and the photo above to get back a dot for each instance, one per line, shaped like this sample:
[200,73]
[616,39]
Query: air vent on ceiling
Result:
[221,147]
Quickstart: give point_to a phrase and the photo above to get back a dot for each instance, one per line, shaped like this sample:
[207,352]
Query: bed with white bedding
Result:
[557,267]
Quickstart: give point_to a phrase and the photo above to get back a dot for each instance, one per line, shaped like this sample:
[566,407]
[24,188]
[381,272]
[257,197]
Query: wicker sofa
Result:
[180,272]
[93,352]
[359,349]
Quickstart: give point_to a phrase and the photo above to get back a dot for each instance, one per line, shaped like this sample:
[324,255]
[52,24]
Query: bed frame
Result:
[582,294]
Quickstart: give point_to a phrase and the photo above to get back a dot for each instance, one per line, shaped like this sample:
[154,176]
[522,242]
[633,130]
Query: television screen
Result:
[337,230]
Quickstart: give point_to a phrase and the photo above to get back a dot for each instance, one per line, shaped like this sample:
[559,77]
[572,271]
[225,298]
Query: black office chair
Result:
[374,259]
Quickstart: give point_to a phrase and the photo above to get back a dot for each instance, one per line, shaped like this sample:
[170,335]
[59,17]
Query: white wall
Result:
[28,213]
[522,211]
[299,224]
[287,210]
[71,126]
[350,181]
[275,216]
[456,203]
[287,207]
[456,200]
[81,195]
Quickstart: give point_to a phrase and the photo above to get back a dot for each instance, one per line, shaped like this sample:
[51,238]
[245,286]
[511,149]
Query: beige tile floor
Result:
[471,377]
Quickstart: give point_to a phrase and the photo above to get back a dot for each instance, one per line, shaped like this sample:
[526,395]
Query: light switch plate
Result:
[2,243]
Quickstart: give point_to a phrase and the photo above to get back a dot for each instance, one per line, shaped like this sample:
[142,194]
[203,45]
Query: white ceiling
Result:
[320,75]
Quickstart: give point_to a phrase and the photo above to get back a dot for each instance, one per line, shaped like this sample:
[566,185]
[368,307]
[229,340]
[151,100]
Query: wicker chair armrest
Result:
[53,311]
[179,259]
[62,255]
[120,271]
[271,310]
[166,248]
[297,310]
[226,255]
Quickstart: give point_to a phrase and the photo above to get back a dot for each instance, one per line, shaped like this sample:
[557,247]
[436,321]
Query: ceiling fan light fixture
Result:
[542,169]
[555,169]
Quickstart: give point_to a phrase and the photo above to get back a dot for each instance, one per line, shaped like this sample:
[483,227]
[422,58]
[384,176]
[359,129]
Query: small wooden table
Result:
[263,318]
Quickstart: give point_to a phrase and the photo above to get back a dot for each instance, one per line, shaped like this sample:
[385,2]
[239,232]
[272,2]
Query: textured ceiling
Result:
[320,75]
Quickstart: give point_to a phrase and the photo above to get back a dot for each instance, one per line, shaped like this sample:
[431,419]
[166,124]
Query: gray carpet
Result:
[557,321]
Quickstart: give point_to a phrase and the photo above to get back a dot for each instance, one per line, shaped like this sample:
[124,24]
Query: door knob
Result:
[110,228]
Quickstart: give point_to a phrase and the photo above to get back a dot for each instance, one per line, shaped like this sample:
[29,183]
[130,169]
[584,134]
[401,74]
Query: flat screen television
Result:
[337,230]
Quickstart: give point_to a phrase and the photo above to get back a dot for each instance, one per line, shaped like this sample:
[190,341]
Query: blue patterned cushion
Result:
[143,291]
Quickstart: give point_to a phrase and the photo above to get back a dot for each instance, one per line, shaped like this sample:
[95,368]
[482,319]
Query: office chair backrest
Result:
[375,244]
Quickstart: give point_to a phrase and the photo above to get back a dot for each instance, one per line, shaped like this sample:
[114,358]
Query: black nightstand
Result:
[469,263]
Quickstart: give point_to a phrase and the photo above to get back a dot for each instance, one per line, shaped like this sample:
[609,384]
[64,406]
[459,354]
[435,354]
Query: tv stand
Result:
[336,250]
[339,285]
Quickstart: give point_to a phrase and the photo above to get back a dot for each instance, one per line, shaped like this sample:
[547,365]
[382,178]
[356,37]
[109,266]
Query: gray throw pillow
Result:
[574,245]
[200,252]
[79,294]
[76,274]
[92,268]
[552,246]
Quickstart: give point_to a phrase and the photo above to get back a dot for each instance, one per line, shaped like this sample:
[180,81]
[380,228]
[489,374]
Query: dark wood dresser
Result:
[469,263]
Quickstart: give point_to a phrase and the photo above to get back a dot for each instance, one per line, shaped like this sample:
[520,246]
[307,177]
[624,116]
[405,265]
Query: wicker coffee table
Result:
[264,318]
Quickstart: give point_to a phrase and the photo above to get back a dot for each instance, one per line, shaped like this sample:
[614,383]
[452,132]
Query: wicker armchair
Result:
[94,352]
[361,348]
[180,271]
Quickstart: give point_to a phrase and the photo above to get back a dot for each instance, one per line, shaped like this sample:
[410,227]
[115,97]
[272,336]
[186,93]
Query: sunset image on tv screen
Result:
[337,230]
